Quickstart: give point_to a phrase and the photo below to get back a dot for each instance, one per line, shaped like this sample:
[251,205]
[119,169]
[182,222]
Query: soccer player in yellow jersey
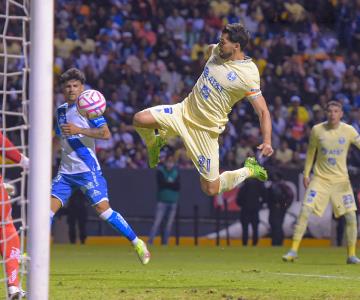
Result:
[228,76]
[330,141]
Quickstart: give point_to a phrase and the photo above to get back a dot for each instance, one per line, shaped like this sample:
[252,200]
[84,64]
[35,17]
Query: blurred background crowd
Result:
[143,53]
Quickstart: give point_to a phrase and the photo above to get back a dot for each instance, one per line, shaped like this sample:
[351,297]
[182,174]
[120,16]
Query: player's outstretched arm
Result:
[260,107]
[102,132]
[13,154]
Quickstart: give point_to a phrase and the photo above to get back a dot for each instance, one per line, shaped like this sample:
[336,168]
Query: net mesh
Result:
[14,73]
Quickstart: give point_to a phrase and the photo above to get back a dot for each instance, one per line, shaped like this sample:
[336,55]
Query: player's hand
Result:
[306,182]
[265,149]
[24,162]
[9,188]
[70,129]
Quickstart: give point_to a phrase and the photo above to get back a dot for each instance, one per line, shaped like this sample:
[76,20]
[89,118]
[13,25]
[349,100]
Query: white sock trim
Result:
[106,214]
[135,241]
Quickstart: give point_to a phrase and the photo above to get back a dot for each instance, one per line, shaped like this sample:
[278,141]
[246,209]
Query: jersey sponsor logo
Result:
[342,140]
[331,161]
[337,152]
[231,76]
[212,80]
[348,200]
[324,150]
[205,92]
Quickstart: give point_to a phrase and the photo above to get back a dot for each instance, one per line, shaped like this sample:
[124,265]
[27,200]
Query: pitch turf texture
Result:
[114,272]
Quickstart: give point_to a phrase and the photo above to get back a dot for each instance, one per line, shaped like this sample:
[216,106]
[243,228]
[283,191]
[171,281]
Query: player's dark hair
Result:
[334,103]
[72,74]
[237,34]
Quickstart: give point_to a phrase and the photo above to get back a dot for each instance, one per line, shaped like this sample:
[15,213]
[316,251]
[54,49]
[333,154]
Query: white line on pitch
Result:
[314,275]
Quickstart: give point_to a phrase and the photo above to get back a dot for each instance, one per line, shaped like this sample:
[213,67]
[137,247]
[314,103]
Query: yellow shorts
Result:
[202,146]
[320,192]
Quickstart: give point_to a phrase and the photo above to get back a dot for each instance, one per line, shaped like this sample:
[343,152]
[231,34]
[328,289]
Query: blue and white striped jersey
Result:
[77,151]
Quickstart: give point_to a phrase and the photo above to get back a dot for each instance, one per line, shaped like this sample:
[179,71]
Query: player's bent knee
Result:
[144,119]
[209,189]
[101,206]
[137,119]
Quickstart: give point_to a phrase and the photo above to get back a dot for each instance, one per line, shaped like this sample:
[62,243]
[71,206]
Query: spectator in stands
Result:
[303,48]
[168,182]
[283,155]
[63,45]
[279,198]
[250,198]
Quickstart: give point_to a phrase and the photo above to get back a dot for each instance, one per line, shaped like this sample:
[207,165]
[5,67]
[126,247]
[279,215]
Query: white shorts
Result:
[202,146]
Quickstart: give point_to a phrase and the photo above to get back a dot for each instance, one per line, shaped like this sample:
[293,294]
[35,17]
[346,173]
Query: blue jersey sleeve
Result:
[60,118]
[57,129]
[97,122]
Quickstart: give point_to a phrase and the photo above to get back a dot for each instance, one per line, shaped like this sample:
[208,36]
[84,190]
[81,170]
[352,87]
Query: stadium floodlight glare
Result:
[41,112]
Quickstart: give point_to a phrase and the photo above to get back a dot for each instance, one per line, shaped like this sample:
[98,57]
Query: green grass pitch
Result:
[114,272]
[188,272]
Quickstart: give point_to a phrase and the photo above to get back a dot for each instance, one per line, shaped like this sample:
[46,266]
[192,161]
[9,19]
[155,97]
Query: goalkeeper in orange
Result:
[330,141]
[10,243]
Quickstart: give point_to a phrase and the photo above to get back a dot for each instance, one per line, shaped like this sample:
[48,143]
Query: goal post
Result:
[40,146]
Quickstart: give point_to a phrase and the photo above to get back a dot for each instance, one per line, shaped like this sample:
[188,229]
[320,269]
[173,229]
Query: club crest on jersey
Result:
[341,140]
[231,76]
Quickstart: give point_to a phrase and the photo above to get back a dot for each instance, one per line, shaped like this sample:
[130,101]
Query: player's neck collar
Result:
[333,127]
[246,59]
[69,105]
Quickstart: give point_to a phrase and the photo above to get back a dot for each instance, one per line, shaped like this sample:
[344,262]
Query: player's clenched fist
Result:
[266,149]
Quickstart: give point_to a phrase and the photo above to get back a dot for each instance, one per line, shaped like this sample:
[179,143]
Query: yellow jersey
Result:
[222,84]
[331,146]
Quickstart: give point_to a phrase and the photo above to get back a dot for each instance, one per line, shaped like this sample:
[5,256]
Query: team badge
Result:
[331,161]
[341,140]
[231,76]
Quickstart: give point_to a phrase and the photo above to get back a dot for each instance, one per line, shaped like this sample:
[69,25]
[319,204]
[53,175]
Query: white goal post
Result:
[40,146]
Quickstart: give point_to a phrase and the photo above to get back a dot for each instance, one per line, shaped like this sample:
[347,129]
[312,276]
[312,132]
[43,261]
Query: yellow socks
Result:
[351,232]
[300,227]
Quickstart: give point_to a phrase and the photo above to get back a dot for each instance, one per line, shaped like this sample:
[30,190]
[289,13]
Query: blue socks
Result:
[118,223]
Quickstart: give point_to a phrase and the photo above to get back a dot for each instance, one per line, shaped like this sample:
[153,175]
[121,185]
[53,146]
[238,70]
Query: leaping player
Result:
[228,77]
[79,167]
[10,242]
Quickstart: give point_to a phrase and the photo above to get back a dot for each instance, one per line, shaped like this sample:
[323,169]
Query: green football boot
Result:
[142,252]
[154,151]
[291,256]
[256,170]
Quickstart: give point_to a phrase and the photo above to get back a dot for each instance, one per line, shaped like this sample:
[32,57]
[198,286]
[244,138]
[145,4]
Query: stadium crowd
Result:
[143,53]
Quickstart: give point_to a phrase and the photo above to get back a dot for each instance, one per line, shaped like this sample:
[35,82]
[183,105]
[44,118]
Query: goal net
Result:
[14,74]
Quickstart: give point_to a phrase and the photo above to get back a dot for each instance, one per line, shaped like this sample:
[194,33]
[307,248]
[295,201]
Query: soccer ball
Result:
[91,104]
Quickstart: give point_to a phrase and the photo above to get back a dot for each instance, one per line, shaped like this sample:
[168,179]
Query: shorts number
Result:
[204,164]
